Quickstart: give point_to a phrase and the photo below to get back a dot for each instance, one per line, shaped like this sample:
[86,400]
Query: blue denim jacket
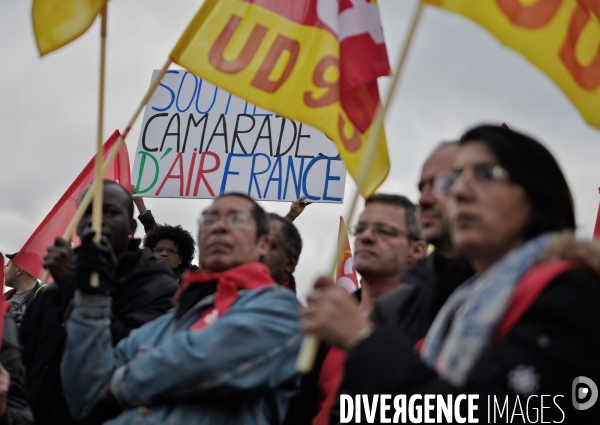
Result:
[240,370]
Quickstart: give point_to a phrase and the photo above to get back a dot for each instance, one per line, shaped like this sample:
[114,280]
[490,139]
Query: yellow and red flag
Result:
[345,275]
[58,22]
[315,61]
[561,37]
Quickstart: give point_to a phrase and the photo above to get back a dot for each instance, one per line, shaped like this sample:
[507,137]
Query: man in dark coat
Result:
[14,409]
[24,288]
[284,253]
[142,291]
[430,281]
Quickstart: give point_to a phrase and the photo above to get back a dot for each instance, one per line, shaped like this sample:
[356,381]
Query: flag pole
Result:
[310,343]
[85,201]
[98,188]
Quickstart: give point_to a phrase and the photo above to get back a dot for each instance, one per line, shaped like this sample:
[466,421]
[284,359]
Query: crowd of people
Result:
[481,289]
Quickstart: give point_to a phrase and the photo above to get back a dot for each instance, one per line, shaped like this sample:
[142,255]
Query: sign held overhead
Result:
[199,141]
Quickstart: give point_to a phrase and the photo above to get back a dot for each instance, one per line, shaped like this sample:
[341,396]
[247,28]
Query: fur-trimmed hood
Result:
[564,246]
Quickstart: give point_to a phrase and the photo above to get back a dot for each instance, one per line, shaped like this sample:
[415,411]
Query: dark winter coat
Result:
[426,286]
[555,341]
[17,411]
[143,290]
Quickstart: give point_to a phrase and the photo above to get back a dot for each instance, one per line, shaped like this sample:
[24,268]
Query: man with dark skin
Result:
[141,290]
[284,252]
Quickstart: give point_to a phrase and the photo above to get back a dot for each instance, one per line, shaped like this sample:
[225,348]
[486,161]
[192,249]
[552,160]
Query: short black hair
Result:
[291,241]
[180,237]
[410,211]
[105,183]
[263,226]
[531,166]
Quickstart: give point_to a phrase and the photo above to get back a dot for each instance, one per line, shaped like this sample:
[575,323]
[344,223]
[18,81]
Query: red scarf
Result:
[247,276]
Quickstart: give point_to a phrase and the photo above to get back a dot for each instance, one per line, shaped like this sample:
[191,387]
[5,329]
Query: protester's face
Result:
[276,259]
[166,251]
[230,238]
[433,204]
[488,213]
[117,224]
[376,253]
[9,278]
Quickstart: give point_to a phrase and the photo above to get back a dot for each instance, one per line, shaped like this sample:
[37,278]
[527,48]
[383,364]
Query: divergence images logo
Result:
[585,393]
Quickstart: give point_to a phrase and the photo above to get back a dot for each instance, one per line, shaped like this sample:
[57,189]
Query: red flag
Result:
[345,276]
[2,301]
[597,227]
[56,222]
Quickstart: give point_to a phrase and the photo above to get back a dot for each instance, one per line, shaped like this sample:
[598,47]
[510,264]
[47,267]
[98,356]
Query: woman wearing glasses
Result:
[527,324]
[173,246]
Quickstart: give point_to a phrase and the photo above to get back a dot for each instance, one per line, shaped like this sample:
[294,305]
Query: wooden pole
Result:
[98,189]
[310,343]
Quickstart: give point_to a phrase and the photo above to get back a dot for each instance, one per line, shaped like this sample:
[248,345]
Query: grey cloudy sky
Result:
[456,76]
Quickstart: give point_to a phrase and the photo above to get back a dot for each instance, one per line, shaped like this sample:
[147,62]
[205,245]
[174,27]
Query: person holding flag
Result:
[141,289]
[388,241]
[225,354]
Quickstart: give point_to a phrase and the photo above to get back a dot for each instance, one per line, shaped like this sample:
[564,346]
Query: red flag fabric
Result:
[2,301]
[345,275]
[56,222]
[597,226]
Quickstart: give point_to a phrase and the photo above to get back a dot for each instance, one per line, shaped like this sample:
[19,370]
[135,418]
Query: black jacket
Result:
[555,341]
[18,312]
[143,290]
[18,411]
[305,404]
[426,286]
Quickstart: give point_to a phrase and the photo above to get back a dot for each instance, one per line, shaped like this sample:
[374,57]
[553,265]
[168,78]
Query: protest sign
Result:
[199,141]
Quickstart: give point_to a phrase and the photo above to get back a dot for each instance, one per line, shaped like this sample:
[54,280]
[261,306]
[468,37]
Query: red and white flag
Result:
[345,276]
[55,224]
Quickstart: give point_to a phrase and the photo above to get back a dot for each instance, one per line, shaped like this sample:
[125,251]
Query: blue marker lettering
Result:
[329,178]
[170,91]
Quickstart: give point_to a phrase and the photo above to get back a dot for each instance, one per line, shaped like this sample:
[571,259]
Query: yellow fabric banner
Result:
[561,37]
[282,65]
[58,22]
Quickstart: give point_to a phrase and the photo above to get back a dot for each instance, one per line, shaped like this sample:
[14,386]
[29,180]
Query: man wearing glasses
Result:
[387,242]
[431,280]
[226,353]
[173,246]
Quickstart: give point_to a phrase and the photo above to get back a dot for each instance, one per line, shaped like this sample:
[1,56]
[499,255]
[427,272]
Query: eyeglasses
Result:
[160,250]
[442,183]
[378,229]
[235,218]
[482,175]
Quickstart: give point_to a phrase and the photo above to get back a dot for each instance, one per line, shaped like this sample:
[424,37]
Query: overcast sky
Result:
[456,76]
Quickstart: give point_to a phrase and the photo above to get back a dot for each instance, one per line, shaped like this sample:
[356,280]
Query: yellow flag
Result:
[561,37]
[307,62]
[58,22]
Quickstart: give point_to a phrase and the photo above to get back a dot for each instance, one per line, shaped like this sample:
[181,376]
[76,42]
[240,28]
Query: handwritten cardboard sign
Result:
[199,141]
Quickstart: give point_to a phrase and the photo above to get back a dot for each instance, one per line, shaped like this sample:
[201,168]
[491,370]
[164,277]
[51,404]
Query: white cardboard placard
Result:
[199,141]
